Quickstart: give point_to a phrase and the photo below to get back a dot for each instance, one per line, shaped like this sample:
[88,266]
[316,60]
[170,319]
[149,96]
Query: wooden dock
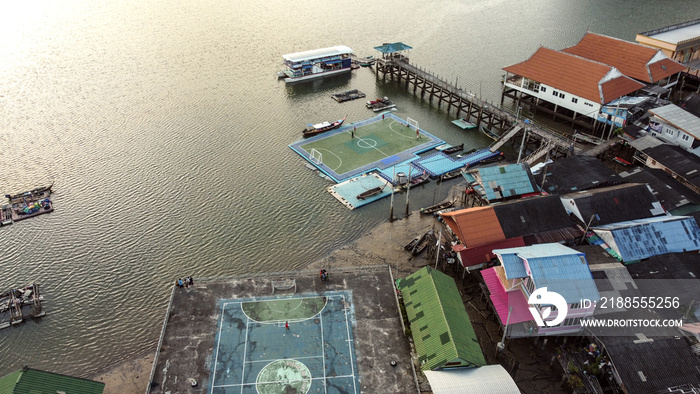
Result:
[533,137]
[26,205]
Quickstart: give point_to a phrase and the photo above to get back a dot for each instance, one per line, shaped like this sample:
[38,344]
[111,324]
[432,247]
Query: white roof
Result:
[491,379]
[679,118]
[676,36]
[317,53]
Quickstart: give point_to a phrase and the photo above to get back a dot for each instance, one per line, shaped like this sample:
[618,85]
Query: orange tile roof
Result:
[671,67]
[475,226]
[573,74]
[628,57]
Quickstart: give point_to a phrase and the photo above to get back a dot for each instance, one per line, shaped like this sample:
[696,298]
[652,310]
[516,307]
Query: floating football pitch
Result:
[372,144]
[255,353]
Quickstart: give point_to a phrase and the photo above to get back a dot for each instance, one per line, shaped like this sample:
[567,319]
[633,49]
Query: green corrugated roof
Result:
[34,381]
[440,325]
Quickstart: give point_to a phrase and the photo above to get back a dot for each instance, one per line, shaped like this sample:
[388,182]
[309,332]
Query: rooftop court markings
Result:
[292,352]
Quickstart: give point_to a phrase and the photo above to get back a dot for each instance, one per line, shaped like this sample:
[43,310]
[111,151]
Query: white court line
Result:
[323,352]
[245,350]
[352,366]
[331,152]
[391,127]
[218,344]
[276,359]
[253,384]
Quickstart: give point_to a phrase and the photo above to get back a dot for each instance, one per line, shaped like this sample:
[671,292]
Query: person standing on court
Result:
[286,325]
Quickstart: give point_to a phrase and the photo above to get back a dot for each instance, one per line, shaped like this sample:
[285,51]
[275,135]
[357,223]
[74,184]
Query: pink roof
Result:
[503,299]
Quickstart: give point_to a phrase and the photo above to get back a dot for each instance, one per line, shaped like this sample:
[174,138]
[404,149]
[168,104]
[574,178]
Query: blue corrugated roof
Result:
[510,180]
[391,48]
[514,266]
[644,238]
[557,267]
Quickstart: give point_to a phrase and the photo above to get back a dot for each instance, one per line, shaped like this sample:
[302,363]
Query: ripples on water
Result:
[166,132]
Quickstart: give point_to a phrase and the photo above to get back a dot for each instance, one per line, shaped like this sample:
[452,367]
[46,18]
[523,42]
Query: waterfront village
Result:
[572,267]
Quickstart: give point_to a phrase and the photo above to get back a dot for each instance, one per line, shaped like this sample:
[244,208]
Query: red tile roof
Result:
[628,57]
[574,75]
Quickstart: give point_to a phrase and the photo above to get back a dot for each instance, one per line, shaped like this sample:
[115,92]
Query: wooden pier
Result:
[535,139]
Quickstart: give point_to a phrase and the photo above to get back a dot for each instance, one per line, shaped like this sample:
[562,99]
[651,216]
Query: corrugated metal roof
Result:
[532,215]
[558,268]
[29,380]
[492,379]
[441,329]
[652,366]
[640,239]
[670,193]
[679,118]
[630,58]
[613,204]
[576,172]
[572,74]
[677,160]
[317,53]
[514,266]
[475,226]
[501,182]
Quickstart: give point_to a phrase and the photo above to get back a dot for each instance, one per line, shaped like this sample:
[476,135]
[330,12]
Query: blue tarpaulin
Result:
[391,48]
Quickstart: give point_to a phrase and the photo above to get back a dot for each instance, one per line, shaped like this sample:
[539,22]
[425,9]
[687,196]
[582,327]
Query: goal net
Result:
[316,156]
[412,123]
[286,284]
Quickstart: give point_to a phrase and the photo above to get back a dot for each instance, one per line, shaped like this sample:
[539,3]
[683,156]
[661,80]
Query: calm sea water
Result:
[165,131]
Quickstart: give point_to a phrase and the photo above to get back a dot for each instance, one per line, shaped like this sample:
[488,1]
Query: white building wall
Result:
[569,101]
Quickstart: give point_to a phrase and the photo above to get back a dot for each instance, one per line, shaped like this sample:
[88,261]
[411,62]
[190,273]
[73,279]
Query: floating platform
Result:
[348,95]
[26,205]
[380,104]
[19,304]
[463,124]
[347,192]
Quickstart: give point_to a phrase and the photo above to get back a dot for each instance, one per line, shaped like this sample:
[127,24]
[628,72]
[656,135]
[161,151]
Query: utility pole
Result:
[391,210]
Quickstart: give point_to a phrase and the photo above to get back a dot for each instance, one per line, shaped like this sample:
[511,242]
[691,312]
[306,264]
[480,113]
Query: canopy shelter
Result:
[387,49]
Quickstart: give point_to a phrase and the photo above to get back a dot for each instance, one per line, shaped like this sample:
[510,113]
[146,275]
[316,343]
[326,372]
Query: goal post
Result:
[412,123]
[286,284]
[316,156]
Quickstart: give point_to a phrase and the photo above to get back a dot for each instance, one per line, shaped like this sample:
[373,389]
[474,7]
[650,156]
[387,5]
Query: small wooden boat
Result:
[380,104]
[450,175]
[412,244]
[493,159]
[348,95]
[453,149]
[437,207]
[39,192]
[489,133]
[422,243]
[369,193]
[316,129]
[622,161]
[419,180]
[366,62]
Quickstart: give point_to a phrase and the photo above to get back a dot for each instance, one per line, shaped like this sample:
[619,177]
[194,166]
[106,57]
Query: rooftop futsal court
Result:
[373,144]
[285,344]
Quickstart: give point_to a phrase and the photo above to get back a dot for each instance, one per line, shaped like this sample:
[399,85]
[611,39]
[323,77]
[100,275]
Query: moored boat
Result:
[419,180]
[370,193]
[380,104]
[317,63]
[450,175]
[622,161]
[437,207]
[453,149]
[348,95]
[319,128]
[489,133]
[464,124]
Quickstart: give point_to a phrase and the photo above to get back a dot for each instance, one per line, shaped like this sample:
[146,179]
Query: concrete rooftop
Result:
[186,348]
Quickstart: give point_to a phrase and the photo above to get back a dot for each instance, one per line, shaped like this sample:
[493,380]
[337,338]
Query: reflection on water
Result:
[166,132]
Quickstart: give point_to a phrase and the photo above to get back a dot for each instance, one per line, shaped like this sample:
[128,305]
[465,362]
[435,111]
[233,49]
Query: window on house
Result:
[561,95]
[574,100]
[685,137]
[554,93]
[542,88]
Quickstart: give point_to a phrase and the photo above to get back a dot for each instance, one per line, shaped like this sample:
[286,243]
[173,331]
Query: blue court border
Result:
[324,343]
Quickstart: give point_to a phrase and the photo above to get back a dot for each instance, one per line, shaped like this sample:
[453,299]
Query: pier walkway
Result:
[477,110]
